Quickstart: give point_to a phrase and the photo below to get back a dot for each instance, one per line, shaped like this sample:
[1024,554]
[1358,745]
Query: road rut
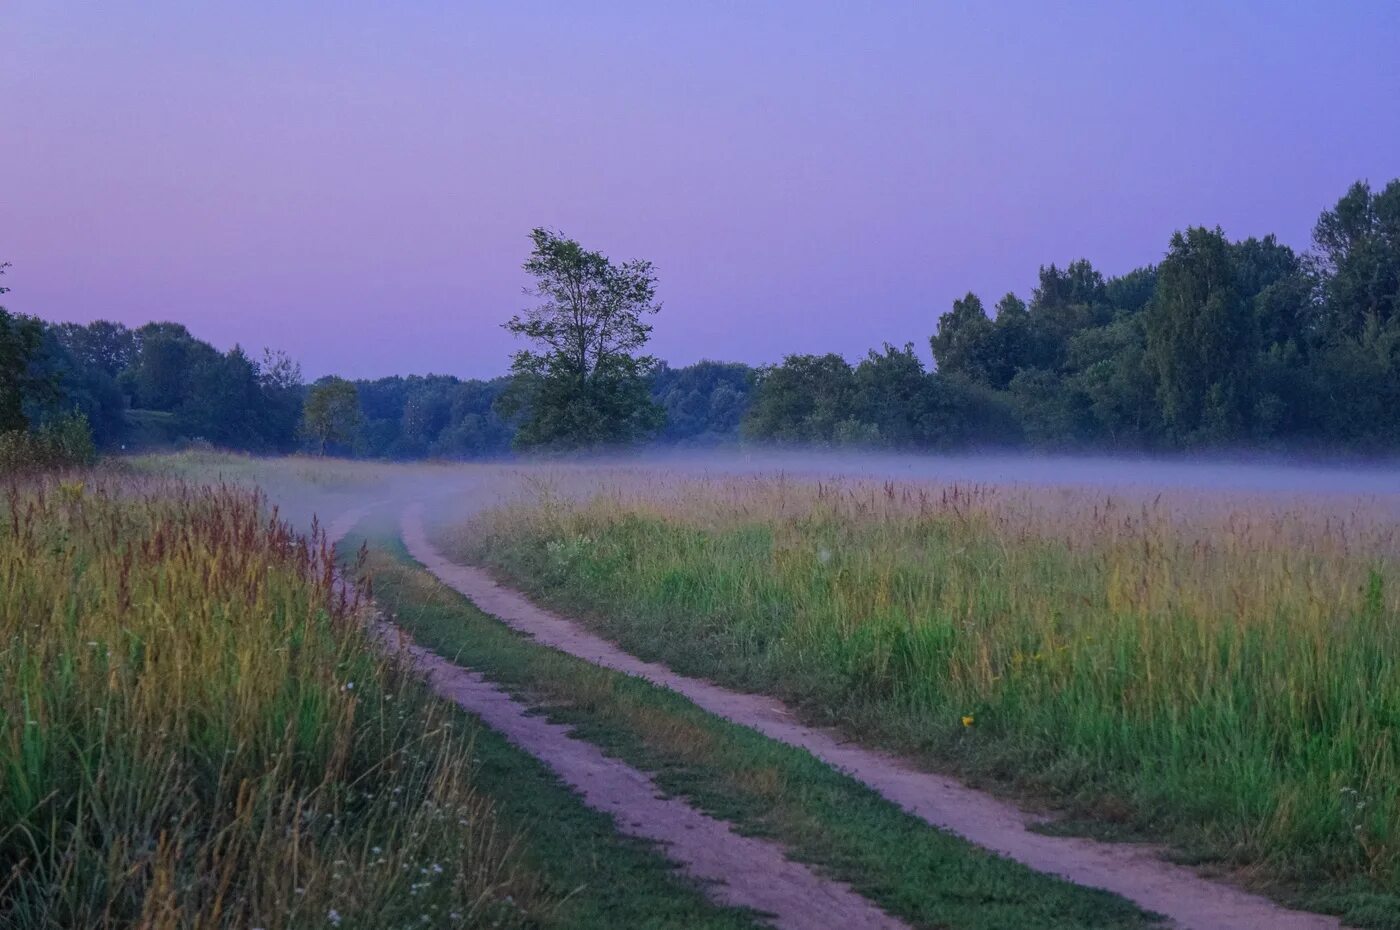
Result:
[736,870]
[1132,871]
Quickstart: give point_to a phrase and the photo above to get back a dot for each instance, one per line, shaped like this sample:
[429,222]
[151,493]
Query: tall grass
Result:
[1221,672]
[196,731]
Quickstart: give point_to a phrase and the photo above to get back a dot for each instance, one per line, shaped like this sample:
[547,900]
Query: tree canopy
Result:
[331,415]
[581,383]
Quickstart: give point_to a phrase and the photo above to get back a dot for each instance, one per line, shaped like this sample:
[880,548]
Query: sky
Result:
[355,182]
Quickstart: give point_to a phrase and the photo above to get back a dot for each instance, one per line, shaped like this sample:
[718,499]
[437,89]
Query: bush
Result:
[62,443]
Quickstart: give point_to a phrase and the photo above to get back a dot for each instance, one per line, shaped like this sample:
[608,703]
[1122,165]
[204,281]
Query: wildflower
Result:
[968,720]
[334,917]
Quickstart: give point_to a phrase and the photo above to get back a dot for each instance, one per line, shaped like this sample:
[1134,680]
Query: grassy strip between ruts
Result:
[928,878]
[601,879]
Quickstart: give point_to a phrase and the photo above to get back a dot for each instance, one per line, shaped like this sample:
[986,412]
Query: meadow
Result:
[1217,671]
[927,878]
[199,729]
[196,731]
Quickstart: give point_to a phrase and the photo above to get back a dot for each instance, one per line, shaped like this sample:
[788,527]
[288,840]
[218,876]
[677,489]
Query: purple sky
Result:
[353,182]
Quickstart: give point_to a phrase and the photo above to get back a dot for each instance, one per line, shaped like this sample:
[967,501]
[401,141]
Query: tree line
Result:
[158,386]
[1221,343]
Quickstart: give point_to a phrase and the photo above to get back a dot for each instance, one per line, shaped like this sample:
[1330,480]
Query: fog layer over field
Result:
[1143,473]
[328,487]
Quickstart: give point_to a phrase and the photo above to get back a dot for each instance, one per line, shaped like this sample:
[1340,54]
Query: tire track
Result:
[1134,872]
[737,870]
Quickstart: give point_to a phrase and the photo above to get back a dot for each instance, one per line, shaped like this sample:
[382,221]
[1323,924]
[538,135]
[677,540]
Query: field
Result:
[1214,670]
[196,730]
[928,878]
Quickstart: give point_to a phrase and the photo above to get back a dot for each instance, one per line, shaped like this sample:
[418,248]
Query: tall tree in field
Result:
[582,383]
[1200,338]
[331,415]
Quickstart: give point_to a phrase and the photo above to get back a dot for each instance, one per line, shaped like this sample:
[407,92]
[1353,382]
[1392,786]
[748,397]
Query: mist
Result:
[327,489]
[1146,473]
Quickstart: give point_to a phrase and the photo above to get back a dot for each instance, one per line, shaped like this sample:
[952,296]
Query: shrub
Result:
[62,443]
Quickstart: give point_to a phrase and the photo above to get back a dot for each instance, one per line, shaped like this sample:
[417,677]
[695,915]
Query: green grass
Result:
[766,788]
[598,879]
[195,731]
[1224,675]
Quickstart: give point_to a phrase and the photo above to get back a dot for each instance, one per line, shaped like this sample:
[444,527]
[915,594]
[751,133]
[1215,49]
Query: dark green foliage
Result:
[1223,343]
[1357,388]
[20,338]
[905,407]
[159,385]
[62,442]
[280,387]
[1065,303]
[966,342]
[432,416]
[1131,292]
[888,400]
[1200,339]
[1112,382]
[805,399]
[331,416]
[892,395]
[223,400]
[1358,249]
[43,417]
[704,403]
[102,345]
[124,379]
[73,385]
[474,429]
[609,406]
[582,385]
[160,370]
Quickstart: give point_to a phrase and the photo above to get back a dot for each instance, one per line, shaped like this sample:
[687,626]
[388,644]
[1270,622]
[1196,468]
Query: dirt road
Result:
[1134,872]
[737,870]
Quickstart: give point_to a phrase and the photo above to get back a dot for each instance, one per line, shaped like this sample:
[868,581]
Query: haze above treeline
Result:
[1219,344]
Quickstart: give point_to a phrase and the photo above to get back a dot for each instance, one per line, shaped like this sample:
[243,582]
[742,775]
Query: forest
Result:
[1219,344]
